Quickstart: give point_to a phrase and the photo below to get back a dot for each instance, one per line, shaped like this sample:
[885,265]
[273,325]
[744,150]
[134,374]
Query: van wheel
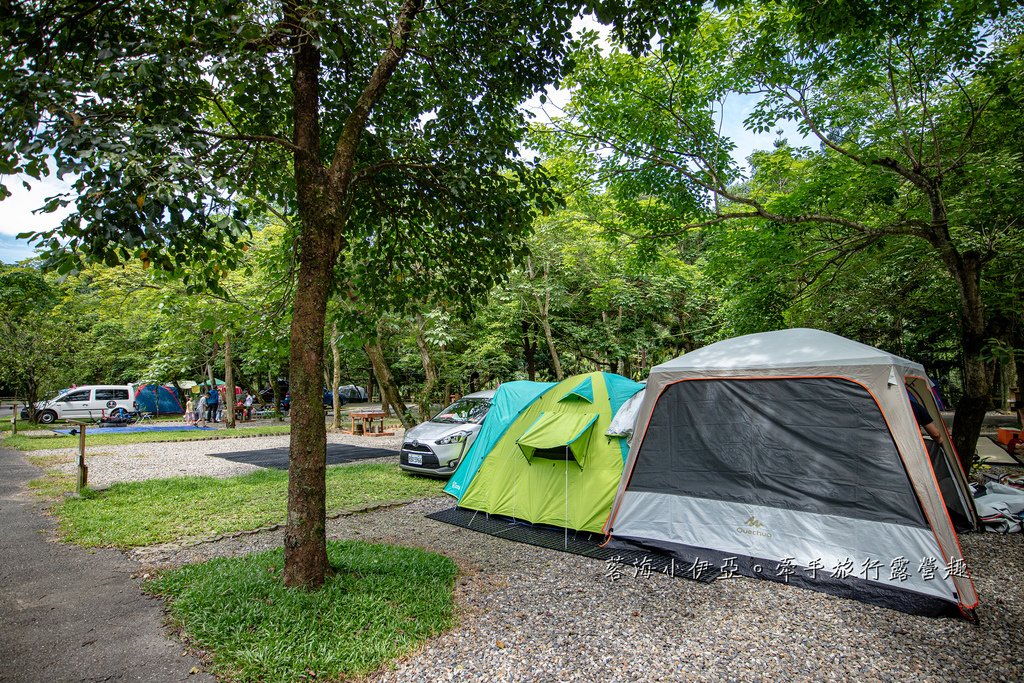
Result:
[47,417]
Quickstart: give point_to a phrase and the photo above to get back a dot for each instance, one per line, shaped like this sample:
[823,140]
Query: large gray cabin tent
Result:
[795,456]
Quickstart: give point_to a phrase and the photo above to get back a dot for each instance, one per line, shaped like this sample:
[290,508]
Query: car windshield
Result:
[464,410]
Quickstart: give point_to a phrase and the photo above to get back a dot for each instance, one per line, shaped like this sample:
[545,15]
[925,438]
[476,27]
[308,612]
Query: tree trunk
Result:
[305,537]
[305,542]
[277,395]
[966,271]
[229,383]
[544,304]
[529,353]
[322,194]
[178,390]
[429,370]
[386,381]
[336,378]
[31,395]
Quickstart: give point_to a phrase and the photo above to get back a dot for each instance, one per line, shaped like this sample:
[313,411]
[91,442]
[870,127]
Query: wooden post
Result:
[14,419]
[83,472]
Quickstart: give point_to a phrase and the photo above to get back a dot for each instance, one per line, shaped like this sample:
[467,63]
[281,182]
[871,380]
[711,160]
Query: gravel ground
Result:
[136,462]
[531,614]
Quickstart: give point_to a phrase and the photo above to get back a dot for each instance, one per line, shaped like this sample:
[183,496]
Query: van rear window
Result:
[111,394]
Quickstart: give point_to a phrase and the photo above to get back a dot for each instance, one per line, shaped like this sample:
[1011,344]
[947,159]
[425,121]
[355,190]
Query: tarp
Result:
[509,401]
[131,430]
[624,421]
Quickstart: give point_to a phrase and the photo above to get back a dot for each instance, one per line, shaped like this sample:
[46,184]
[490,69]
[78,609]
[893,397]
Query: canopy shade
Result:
[557,431]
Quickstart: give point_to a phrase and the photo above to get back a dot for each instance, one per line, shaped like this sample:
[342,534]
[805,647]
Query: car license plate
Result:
[415,459]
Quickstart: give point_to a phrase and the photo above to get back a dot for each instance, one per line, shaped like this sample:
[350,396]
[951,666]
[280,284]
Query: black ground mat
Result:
[582,543]
[337,454]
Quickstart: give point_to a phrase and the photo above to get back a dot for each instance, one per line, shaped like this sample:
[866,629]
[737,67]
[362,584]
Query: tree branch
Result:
[345,151]
[251,138]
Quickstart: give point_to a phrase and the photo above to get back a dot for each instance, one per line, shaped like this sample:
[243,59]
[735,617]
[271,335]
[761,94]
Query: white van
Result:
[89,402]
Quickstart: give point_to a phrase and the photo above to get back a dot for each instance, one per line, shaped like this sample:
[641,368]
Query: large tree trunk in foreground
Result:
[974,331]
[322,193]
[386,382]
[305,542]
[305,538]
[970,410]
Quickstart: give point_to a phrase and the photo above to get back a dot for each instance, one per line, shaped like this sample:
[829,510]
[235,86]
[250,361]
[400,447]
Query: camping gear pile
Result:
[1000,504]
[792,456]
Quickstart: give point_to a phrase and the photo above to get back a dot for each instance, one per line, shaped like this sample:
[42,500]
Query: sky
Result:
[16,214]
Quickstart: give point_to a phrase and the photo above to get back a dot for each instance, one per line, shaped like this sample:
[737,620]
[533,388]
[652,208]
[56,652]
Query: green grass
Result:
[5,424]
[161,510]
[381,602]
[24,442]
[52,485]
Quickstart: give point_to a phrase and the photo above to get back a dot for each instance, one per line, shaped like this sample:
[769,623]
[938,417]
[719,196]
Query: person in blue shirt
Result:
[924,419]
[211,404]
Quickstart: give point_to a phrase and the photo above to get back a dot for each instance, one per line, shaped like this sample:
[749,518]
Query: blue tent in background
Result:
[159,400]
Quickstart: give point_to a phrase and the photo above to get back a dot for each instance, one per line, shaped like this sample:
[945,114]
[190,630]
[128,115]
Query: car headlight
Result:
[455,437]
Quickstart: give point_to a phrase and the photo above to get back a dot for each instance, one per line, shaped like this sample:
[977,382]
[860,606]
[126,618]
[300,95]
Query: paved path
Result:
[68,614]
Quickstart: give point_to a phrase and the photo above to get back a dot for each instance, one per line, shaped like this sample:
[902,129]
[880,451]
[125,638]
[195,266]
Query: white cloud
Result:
[16,211]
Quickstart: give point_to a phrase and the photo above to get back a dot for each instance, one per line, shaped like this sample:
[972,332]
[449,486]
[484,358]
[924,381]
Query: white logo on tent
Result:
[754,527]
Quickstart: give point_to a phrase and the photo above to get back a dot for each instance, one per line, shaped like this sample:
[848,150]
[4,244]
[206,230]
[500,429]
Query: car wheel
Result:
[47,417]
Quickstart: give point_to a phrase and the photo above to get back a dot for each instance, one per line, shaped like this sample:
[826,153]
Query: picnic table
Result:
[366,420]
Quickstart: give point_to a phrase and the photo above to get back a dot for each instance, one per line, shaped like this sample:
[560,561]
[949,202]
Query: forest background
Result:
[259,186]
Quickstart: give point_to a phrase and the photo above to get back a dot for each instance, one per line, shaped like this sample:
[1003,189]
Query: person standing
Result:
[211,404]
[222,402]
[190,414]
[249,400]
[201,411]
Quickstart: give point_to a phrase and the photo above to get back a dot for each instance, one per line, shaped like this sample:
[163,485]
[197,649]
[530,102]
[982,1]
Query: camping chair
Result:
[144,417]
[263,412]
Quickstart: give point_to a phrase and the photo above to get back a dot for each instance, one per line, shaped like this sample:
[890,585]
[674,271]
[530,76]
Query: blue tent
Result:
[511,399]
[160,400]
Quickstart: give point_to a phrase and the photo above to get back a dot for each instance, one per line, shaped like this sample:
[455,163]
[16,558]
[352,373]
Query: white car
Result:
[436,447]
[85,403]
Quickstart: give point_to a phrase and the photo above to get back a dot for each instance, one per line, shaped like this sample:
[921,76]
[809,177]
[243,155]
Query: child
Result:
[190,414]
[201,411]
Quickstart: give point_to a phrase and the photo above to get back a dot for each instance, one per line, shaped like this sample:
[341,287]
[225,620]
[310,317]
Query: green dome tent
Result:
[554,464]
